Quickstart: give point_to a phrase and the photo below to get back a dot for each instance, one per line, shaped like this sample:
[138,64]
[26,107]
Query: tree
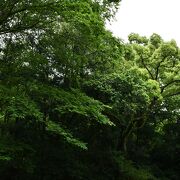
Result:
[38,99]
[77,102]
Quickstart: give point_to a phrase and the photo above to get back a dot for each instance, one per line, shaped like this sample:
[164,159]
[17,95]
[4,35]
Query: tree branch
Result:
[157,69]
[147,69]
[168,84]
[12,13]
[173,94]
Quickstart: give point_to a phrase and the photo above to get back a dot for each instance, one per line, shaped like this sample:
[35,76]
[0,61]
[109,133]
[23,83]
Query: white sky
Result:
[146,17]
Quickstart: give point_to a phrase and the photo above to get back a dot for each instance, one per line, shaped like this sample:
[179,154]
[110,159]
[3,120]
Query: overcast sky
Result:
[146,17]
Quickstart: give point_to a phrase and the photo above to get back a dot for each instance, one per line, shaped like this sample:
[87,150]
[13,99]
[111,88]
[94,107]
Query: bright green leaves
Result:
[167,50]
[56,128]
[15,104]
[5,158]
[155,40]
[160,59]
[78,103]
[46,105]
[67,102]
[154,90]
[126,90]
[57,44]
[67,84]
[135,38]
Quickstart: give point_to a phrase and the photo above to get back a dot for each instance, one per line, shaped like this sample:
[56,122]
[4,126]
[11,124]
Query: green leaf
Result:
[57,129]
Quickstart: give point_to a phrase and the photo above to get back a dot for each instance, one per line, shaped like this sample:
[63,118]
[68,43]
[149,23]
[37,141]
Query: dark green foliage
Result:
[77,103]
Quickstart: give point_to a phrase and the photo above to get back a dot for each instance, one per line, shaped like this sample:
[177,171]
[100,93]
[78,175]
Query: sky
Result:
[146,17]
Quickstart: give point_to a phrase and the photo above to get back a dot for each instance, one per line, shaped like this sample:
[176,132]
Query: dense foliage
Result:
[78,103]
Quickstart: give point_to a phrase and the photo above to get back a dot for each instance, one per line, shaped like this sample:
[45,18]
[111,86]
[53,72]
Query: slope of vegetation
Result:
[78,103]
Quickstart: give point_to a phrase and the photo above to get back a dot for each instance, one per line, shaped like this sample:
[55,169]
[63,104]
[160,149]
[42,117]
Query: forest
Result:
[78,103]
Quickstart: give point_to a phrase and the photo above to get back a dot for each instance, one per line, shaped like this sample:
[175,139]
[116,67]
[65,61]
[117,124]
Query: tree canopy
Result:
[78,103]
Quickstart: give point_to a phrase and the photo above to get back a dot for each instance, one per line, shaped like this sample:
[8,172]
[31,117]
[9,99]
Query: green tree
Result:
[46,50]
